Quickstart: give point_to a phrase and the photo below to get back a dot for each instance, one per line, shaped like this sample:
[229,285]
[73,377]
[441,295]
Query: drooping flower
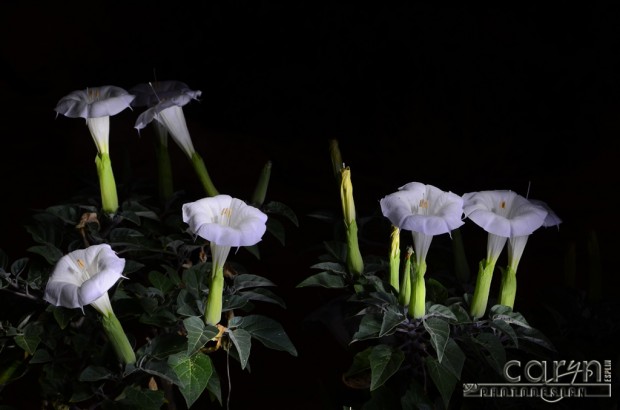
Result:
[426,211]
[503,214]
[225,222]
[148,95]
[166,100]
[516,246]
[83,277]
[96,105]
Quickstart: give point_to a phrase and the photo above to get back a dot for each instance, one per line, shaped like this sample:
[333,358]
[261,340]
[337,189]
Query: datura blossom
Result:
[83,277]
[225,222]
[426,211]
[165,101]
[96,105]
[505,215]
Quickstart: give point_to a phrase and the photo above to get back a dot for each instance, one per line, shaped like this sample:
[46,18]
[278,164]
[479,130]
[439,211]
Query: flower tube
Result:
[516,246]
[355,263]
[83,277]
[503,214]
[395,259]
[168,111]
[225,222]
[426,211]
[96,105]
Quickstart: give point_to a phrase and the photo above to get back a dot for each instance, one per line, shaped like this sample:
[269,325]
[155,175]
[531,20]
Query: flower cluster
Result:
[164,101]
[427,211]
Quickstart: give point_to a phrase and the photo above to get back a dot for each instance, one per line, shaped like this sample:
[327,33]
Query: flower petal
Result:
[226,221]
[83,276]
[94,102]
[503,213]
[423,208]
[151,94]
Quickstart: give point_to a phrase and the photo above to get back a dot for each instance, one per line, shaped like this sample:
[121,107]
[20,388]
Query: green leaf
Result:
[197,334]
[132,266]
[131,216]
[160,281]
[390,321]
[507,315]
[160,368]
[95,373]
[242,340]
[64,315]
[460,313]
[324,279]
[66,213]
[164,345]
[41,356]
[337,250]
[142,399]
[359,374]
[253,249]
[439,330]
[415,398]
[276,228]
[264,295]
[29,340]
[279,208]
[384,362]
[49,252]
[234,302]
[496,354]
[535,336]
[267,331]
[214,387]
[443,379]
[245,280]
[505,328]
[369,328]
[441,311]
[331,266]
[123,234]
[18,266]
[194,373]
[435,291]
[453,358]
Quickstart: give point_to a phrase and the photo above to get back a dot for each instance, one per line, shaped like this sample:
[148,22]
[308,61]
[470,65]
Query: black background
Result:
[464,98]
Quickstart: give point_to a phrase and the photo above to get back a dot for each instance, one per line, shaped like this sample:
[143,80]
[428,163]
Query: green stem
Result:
[355,263]
[404,295]
[417,304]
[164,170]
[260,192]
[461,267]
[118,338]
[203,175]
[107,184]
[508,288]
[213,313]
[483,286]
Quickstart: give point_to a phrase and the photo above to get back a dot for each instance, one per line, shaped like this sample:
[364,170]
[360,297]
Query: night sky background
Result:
[464,98]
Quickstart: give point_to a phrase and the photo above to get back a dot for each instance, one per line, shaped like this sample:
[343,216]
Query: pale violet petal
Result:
[503,213]
[423,208]
[552,219]
[151,94]
[94,102]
